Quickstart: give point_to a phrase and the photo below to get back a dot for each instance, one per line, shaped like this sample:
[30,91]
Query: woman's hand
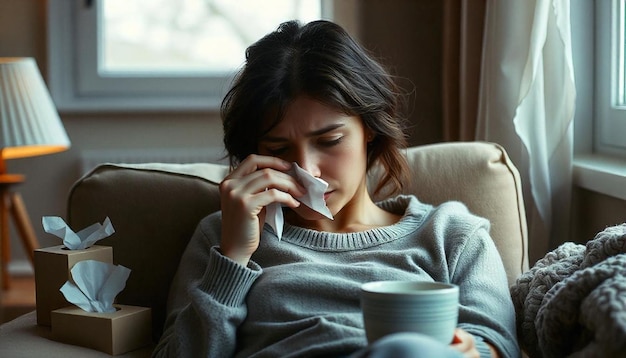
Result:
[464,342]
[257,182]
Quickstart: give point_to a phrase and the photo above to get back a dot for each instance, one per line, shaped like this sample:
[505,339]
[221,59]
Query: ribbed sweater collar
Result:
[413,213]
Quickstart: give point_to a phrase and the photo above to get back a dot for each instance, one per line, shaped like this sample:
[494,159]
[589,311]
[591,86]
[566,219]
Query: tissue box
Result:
[52,270]
[125,330]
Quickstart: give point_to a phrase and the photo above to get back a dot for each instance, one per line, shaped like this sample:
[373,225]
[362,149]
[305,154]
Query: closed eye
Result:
[275,151]
[330,142]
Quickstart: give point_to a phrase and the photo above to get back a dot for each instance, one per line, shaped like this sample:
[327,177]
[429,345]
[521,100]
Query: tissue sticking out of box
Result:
[314,199]
[81,240]
[95,285]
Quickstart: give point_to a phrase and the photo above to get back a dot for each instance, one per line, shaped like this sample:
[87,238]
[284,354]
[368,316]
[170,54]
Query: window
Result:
[124,55]
[610,84]
[600,119]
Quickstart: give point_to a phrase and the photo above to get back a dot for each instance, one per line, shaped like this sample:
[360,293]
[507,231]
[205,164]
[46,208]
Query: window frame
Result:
[596,168]
[76,86]
[609,115]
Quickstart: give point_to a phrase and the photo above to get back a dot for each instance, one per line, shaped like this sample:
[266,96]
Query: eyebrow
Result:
[317,132]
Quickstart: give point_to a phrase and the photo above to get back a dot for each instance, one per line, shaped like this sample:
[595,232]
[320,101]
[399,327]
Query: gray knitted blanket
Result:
[572,303]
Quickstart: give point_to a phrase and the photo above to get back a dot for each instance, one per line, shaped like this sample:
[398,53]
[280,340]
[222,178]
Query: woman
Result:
[311,95]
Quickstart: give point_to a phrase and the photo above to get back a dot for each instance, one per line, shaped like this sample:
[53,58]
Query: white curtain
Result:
[526,103]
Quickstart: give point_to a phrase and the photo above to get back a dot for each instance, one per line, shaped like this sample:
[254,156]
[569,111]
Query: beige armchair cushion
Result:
[155,208]
[482,176]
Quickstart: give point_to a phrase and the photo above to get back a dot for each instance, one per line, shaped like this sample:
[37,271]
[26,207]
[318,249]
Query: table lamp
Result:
[29,126]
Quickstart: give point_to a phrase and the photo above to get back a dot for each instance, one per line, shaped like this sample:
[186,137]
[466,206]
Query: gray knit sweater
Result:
[299,297]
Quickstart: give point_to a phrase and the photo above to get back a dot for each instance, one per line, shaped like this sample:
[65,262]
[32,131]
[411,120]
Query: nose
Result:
[309,162]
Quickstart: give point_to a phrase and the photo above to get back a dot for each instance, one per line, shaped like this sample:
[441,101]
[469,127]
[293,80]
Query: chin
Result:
[307,214]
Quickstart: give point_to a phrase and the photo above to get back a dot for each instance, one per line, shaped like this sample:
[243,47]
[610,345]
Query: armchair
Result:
[155,208]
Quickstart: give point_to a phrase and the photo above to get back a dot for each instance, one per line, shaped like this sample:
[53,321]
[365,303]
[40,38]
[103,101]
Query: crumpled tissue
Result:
[314,199]
[95,286]
[77,241]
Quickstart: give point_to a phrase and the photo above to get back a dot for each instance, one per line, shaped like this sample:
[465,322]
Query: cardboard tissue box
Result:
[126,329]
[52,270]
[53,264]
[96,322]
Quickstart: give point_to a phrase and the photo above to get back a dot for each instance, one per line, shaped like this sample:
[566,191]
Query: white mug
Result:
[429,308]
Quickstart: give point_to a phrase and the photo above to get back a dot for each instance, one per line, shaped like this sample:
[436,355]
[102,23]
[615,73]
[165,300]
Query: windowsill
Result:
[602,174]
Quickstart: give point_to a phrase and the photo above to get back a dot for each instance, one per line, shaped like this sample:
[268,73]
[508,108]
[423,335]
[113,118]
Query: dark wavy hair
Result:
[320,60]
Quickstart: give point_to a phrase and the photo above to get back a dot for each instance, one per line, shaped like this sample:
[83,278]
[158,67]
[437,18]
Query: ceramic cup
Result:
[430,308]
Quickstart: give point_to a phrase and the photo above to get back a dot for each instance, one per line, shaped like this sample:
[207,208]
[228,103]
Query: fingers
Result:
[255,162]
[265,176]
[464,342]
[257,182]
[262,181]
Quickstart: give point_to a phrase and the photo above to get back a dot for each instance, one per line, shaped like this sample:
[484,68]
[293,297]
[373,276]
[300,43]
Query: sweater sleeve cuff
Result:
[482,347]
[227,281]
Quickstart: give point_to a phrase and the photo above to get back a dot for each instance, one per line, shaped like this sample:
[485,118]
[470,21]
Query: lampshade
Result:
[29,122]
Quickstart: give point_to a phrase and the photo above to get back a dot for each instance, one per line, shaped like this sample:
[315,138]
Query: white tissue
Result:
[95,285]
[314,199]
[77,241]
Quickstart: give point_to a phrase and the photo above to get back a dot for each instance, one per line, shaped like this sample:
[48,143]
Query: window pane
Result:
[176,36]
[608,101]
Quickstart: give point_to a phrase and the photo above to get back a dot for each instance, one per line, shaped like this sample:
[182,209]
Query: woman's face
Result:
[328,144]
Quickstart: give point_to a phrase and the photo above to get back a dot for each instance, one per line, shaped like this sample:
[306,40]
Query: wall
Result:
[593,212]
[408,41]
